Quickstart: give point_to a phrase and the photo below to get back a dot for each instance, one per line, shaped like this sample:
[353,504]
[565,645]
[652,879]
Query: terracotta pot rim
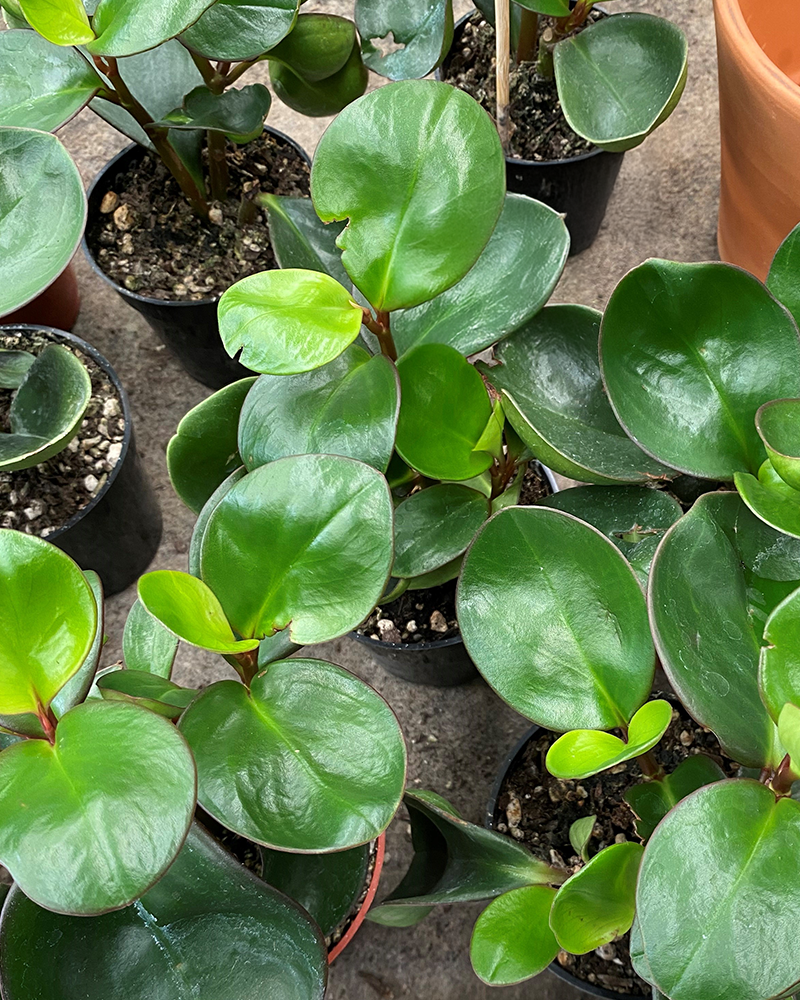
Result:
[729,14]
[358,920]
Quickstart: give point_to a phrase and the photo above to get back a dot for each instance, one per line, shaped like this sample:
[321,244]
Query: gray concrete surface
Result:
[664,206]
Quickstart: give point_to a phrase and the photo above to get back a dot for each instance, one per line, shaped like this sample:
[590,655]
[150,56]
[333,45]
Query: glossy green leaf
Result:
[435,526]
[146,644]
[208,926]
[513,278]
[78,686]
[42,85]
[444,411]
[238,113]
[14,366]
[652,800]
[300,239]
[436,577]
[716,577]
[204,450]
[43,209]
[62,22]
[782,278]
[288,321]
[554,619]
[778,425]
[48,620]
[318,46]
[190,610]
[597,904]
[108,805]
[156,694]
[307,732]
[126,27]
[236,30]
[580,833]
[327,96]
[752,895]
[427,193]
[620,78]
[779,664]
[689,353]
[304,543]
[512,940]
[347,407]
[209,507]
[554,399]
[789,732]
[555,8]
[422,32]
[584,752]
[770,499]
[634,518]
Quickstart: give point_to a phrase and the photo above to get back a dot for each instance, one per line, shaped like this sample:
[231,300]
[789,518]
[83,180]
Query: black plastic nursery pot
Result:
[443,663]
[579,188]
[188,328]
[119,531]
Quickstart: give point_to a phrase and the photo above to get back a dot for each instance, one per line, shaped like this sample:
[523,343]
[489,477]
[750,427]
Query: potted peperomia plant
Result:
[172,220]
[559,107]
[448,264]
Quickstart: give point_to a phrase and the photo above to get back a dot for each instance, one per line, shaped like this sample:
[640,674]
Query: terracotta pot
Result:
[358,920]
[57,306]
[758,42]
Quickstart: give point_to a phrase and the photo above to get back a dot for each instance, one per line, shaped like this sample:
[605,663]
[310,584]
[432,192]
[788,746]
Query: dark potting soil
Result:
[538,810]
[44,497]
[147,238]
[539,130]
[534,486]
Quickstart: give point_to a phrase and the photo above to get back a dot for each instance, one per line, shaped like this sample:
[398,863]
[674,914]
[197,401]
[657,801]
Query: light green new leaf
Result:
[782,278]
[444,411]
[300,239]
[288,321]
[512,940]
[190,610]
[204,450]
[779,663]
[778,425]
[652,800]
[48,621]
[689,353]
[434,526]
[422,30]
[580,833]
[263,758]
[620,78]
[108,805]
[771,499]
[584,752]
[327,96]
[554,399]
[42,85]
[347,407]
[156,694]
[43,211]
[146,644]
[597,904]
[692,952]
[237,113]
[78,686]
[789,731]
[62,22]
[304,543]
[209,922]
[555,620]
[126,27]
[427,193]
[511,281]
[237,30]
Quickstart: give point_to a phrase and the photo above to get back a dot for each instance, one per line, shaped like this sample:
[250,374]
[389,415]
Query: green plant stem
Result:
[239,70]
[544,61]
[207,71]
[528,36]
[217,165]
[651,769]
[380,325]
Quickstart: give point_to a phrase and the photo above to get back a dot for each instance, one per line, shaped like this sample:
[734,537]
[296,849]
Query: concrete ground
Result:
[664,205]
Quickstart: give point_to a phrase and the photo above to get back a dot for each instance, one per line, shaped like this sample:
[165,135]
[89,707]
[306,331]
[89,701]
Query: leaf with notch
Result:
[146,644]
[237,113]
[512,940]
[237,30]
[301,240]
[652,800]
[422,31]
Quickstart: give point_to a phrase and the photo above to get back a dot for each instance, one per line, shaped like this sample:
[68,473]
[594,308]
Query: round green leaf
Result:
[555,620]
[239,113]
[288,321]
[434,526]
[511,281]
[236,30]
[444,411]
[348,407]
[418,169]
[125,27]
[584,752]
[201,523]
[300,238]
[48,621]
[779,663]
[778,425]
[318,46]
[620,78]
[652,800]
[304,543]
[715,578]
[190,610]
[108,805]
[512,940]
[422,31]
[327,96]
[208,926]
[554,399]
[204,450]
[782,278]
[43,208]
[750,894]
[263,757]
[634,518]
[146,644]
[689,353]
[63,22]
[597,904]
[78,686]
[770,499]
[42,85]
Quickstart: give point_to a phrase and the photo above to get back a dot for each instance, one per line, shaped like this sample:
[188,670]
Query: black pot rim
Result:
[101,362]
[424,647]
[146,299]
[488,821]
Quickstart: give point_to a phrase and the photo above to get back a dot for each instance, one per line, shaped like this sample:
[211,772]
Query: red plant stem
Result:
[651,769]
[380,325]
[247,665]
[49,722]
[784,777]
